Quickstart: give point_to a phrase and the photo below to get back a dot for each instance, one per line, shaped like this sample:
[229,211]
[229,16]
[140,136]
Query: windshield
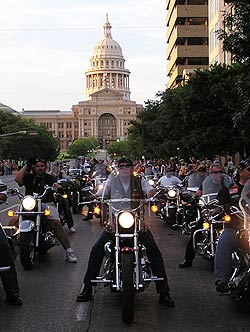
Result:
[245,195]
[213,183]
[75,172]
[125,189]
[195,179]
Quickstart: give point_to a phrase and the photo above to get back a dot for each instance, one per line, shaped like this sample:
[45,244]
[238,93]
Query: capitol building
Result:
[107,111]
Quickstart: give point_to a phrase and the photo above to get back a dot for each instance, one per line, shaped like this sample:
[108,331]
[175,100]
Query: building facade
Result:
[187,39]
[107,111]
[217,9]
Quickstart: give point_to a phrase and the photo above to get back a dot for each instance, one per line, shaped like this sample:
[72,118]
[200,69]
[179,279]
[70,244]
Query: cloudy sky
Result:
[46,46]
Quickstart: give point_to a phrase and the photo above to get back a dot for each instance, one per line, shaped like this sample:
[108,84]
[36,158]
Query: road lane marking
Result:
[82,311]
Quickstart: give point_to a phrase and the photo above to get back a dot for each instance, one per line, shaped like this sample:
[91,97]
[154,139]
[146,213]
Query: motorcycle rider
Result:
[35,182]
[214,181]
[168,179]
[227,242]
[9,278]
[128,183]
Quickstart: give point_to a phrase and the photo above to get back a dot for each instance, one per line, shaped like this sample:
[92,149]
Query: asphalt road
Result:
[49,292]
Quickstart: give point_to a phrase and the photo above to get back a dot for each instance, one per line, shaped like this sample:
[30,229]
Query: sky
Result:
[46,46]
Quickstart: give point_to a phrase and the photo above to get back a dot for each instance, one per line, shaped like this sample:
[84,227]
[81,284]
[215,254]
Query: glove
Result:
[31,161]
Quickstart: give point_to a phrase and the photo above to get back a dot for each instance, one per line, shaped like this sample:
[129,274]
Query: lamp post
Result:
[32,133]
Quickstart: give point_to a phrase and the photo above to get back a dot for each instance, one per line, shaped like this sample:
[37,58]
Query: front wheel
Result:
[27,250]
[127,262]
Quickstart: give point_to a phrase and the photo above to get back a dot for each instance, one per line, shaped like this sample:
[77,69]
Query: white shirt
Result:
[169,181]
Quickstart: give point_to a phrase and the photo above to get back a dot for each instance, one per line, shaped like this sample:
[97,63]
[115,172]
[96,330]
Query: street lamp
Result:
[32,133]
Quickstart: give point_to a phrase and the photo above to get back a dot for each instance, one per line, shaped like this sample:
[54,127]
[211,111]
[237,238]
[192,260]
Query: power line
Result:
[81,28]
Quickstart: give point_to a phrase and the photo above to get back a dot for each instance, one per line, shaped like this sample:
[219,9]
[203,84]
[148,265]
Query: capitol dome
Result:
[107,66]
[107,45]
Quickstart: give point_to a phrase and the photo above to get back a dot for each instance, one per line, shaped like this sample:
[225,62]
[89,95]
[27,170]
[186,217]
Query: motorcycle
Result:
[169,198]
[190,209]
[35,235]
[60,194]
[11,232]
[3,188]
[213,220]
[126,265]
[239,284]
[80,181]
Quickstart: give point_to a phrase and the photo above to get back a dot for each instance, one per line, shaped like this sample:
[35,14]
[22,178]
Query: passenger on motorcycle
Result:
[36,182]
[211,185]
[227,242]
[9,278]
[128,183]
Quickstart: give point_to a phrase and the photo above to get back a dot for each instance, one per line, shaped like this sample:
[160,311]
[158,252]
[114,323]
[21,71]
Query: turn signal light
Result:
[206,225]
[65,196]
[11,213]
[227,218]
[154,208]
[47,212]
[97,210]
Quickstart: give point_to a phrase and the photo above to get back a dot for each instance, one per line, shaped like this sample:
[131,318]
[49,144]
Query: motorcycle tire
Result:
[127,293]
[26,250]
[75,203]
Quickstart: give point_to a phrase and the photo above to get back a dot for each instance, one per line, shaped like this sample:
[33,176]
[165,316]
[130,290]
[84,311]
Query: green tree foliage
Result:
[236,31]
[118,149]
[202,118]
[81,146]
[43,144]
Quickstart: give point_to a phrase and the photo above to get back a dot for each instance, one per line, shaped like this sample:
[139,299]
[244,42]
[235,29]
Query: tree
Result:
[236,31]
[22,145]
[81,146]
[118,149]
[202,118]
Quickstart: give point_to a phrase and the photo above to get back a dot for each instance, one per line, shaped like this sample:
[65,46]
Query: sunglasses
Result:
[217,172]
[124,166]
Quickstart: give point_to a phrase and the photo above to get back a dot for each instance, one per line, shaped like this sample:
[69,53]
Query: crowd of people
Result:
[164,171]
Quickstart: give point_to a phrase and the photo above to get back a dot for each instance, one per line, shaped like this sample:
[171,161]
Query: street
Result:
[49,293]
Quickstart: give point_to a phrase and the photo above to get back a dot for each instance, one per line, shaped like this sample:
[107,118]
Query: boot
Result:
[166,300]
[14,299]
[85,294]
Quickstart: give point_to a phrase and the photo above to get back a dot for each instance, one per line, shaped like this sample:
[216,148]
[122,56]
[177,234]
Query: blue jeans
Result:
[226,245]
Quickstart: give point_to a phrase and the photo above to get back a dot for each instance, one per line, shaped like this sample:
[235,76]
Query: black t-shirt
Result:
[35,184]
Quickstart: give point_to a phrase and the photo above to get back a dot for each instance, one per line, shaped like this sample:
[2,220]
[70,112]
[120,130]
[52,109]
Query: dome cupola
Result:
[107,66]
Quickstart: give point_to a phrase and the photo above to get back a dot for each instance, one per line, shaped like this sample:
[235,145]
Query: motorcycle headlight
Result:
[201,203]
[29,203]
[151,182]
[172,193]
[126,220]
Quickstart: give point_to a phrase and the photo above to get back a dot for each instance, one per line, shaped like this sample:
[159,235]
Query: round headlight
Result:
[201,203]
[151,182]
[126,220]
[172,193]
[29,203]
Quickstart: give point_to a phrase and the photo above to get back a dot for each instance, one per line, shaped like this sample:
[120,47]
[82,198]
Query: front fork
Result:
[118,252]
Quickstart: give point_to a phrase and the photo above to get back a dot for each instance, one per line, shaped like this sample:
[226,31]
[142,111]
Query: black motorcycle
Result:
[169,198]
[126,266]
[35,234]
[80,181]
